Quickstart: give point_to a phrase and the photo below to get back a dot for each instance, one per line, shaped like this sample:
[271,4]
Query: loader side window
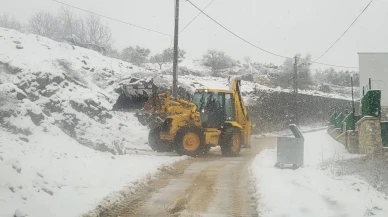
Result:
[229,107]
[225,101]
[199,100]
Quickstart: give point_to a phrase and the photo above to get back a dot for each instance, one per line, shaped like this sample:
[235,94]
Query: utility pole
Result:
[296,90]
[175,61]
[353,108]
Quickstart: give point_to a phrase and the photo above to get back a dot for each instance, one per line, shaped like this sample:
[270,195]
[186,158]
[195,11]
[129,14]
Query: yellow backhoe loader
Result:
[212,118]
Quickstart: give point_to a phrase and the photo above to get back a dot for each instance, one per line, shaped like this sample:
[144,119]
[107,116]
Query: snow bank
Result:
[303,129]
[50,174]
[313,190]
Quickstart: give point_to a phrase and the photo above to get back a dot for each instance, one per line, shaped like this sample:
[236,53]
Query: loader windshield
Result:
[221,104]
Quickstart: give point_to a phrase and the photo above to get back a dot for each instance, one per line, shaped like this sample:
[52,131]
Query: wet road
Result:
[208,186]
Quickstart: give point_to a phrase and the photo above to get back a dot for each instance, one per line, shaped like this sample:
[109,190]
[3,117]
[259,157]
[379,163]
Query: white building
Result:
[375,66]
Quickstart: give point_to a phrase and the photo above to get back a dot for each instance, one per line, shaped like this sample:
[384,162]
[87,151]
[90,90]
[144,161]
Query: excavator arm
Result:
[242,117]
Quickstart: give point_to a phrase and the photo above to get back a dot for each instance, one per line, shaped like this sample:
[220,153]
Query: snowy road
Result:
[209,186]
[250,185]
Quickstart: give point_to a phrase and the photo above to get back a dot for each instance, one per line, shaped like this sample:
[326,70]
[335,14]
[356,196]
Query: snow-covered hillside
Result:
[194,74]
[59,141]
[62,85]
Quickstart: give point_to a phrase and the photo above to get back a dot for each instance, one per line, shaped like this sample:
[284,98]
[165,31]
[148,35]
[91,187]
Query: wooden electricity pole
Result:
[353,108]
[175,61]
[296,90]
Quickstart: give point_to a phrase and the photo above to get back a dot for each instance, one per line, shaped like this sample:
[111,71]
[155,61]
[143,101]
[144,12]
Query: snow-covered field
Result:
[316,189]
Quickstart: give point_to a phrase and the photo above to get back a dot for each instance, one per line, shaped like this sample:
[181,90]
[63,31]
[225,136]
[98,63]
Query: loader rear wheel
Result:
[230,142]
[155,142]
[190,141]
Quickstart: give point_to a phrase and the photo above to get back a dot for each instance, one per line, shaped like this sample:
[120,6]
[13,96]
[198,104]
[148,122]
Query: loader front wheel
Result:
[156,144]
[190,141]
[230,142]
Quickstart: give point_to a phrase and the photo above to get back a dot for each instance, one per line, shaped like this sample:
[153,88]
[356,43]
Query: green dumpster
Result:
[371,103]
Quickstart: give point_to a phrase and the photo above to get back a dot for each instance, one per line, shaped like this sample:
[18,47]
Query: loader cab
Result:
[215,107]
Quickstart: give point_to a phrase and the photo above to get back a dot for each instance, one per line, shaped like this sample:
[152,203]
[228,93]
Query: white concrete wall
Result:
[375,66]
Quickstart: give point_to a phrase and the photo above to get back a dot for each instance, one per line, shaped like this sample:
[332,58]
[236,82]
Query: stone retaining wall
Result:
[274,111]
[369,135]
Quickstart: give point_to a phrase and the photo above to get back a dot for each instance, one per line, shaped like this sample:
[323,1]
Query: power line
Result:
[110,18]
[269,52]
[339,66]
[196,17]
[236,34]
[345,30]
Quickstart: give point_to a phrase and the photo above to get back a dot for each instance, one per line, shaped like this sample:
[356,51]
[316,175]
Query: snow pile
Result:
[49,174]
[314,190]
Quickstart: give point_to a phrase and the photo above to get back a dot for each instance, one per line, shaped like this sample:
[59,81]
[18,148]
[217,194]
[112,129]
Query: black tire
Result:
[156,144]
[226,141]
[181,141]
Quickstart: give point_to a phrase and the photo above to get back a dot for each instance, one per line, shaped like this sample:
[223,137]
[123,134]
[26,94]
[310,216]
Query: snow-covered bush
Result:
[74,74]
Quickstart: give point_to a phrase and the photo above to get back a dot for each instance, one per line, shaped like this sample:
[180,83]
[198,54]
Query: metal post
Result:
[296,90]
[370,84]
[351,83]
[175,61]
[363,90]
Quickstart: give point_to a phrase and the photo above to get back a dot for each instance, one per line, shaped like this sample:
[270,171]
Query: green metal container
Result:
[384,133]
[371,103]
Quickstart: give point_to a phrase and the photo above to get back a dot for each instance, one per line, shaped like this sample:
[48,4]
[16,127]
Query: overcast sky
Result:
[285,27]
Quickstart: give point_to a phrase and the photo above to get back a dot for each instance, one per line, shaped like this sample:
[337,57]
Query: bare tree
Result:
[69,24]
[159,59]
[217,60]
[94,32]
[45,24]
[6,21]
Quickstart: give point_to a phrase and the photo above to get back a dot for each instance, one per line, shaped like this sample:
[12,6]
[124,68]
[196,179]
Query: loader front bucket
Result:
[140,96]
[134,93]
[151,120]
